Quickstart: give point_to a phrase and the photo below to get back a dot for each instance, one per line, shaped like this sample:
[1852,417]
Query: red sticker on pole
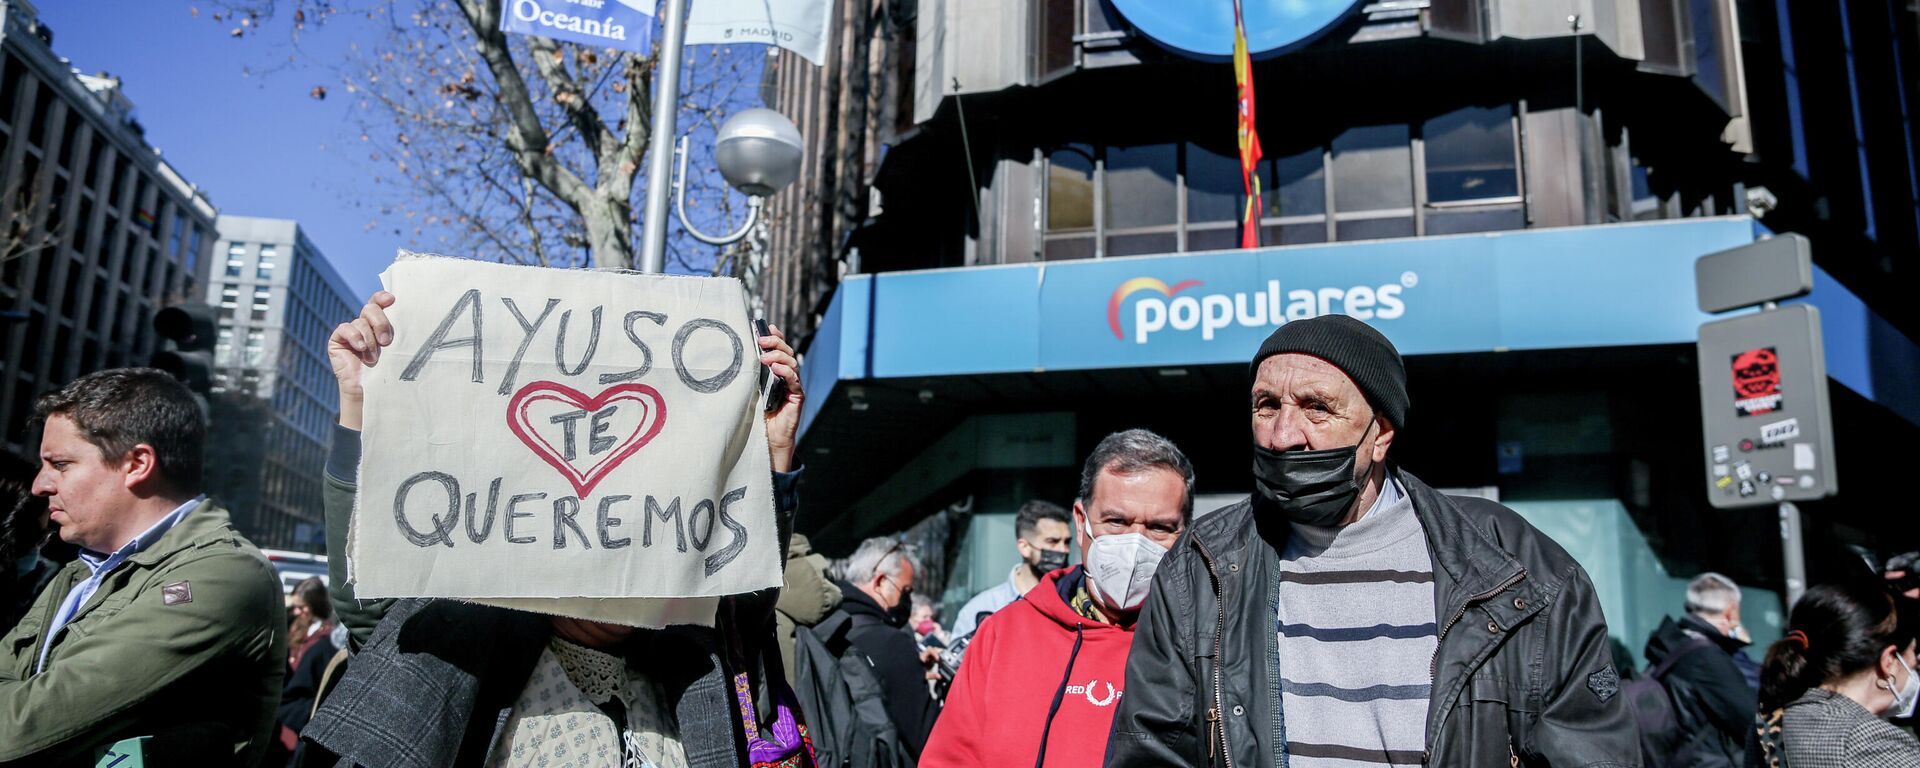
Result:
[1756,382]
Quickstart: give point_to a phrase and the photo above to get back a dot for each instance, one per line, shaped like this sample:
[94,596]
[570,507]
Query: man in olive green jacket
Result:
[171,624]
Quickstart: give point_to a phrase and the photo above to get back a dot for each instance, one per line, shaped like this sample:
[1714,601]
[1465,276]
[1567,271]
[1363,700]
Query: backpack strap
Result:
[1666,665]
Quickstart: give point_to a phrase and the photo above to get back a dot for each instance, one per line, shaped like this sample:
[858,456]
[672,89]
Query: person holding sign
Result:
[472,681]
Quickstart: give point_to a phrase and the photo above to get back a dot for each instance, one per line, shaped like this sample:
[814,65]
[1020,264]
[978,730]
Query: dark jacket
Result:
[185,641]
[806,597]
[1522,668]
[896,660]
[1707,686]
[433,680]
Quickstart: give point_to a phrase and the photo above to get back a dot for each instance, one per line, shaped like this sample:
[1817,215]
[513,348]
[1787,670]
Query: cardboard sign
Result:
[538,436]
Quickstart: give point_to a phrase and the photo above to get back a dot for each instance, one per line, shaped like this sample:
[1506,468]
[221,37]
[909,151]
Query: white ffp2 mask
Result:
[1120,568]
[1908,694]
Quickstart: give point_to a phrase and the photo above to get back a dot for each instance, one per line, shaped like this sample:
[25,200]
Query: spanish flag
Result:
[1249,136]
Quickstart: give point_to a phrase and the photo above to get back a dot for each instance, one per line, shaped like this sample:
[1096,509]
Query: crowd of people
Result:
[1343,614]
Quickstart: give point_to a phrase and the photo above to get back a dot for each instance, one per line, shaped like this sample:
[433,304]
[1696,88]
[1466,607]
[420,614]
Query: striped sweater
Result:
[1357,637]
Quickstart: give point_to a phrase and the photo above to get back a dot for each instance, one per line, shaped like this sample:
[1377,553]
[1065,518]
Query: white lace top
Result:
[557,721]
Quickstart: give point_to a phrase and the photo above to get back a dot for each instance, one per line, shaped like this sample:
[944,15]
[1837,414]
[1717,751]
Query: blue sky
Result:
[235,117]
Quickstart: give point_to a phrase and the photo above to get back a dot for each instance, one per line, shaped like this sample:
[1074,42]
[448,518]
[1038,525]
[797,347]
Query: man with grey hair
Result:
[1057,657]
[878,595]
[1697,657]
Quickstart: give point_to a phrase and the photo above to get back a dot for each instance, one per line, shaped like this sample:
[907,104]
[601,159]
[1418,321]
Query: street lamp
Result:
[758,151]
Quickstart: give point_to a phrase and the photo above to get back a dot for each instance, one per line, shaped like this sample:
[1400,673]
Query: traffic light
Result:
[189,330]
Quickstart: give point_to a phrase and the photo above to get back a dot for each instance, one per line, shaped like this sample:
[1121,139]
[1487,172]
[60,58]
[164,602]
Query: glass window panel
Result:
[1372,169]
[1297,184]
[1142,244]
[1140,186]
[1455,222]
[1294,234]
[1214,188]
[1068,248]
[1373,229]
[1706,50]
[1214,239]
[1470,155]
[1070,188]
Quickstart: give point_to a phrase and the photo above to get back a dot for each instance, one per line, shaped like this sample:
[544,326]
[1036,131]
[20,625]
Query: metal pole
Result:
[666,108]
[1793,553]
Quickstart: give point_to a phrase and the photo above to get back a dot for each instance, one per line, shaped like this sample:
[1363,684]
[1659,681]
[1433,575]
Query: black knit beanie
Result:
[1359,351]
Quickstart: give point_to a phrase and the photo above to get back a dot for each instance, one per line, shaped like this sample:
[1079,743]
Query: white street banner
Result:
[796,25]
[534,434]
[625,25]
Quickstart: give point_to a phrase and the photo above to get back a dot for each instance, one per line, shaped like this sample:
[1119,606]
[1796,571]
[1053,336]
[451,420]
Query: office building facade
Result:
[278,298]
[98,231]
[1016,231]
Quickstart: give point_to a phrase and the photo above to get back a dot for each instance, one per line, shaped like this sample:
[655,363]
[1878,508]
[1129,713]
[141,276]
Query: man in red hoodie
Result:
[1043,676]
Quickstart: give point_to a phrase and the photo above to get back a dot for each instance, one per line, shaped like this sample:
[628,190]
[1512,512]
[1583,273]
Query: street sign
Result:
[1779,267]
[1764,408]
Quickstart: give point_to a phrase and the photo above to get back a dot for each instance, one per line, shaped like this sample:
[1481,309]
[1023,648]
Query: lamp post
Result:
[758,151]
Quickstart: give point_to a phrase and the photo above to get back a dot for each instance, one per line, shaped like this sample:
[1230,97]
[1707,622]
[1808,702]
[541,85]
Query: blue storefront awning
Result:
[1600,286]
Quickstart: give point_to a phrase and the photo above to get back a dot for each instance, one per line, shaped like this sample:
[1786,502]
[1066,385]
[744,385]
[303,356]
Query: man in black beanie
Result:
[1346,613]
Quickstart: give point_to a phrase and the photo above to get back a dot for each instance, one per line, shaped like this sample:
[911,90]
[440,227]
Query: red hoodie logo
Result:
[1113,694]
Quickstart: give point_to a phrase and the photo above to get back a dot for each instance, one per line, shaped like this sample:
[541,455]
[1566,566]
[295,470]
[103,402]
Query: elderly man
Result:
[878,595]
[1041,531]
[1699,659]
[1347,613]
[1058,656]
[170,625]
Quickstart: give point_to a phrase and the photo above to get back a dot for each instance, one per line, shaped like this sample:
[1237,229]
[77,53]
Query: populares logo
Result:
[1158,307]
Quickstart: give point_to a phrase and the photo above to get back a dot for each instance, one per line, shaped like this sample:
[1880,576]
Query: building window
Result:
[1070,199]
[193,250]
[256,341]
[265,269]
[229,296]
[1372,169]
[223,348]
[236,257]
[1142,200]
[1472,172]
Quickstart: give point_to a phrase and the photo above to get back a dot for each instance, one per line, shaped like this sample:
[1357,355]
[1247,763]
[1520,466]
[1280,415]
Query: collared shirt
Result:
[989,601]
[101,565]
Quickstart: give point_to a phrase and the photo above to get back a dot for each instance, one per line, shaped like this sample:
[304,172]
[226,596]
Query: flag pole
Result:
[666,107]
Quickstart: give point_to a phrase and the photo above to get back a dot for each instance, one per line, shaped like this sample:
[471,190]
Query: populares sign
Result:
[540,434]
[1186,306]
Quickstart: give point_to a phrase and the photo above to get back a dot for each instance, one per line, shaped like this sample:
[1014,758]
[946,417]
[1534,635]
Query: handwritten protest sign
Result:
[541,434]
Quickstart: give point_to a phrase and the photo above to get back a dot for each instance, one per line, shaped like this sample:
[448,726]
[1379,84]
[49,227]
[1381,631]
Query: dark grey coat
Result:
[1824,729]
[1522,673]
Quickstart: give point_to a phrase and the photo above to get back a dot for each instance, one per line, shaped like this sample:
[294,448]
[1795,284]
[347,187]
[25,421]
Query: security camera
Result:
[758,151]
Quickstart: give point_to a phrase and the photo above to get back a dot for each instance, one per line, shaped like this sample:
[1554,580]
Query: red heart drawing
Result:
[653,416]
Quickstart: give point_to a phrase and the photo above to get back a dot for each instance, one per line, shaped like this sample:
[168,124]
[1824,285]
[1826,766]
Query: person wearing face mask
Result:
[1846,662]
[878,599]
[1698,659]
[1044,675]
[1347,613]
[1041,532]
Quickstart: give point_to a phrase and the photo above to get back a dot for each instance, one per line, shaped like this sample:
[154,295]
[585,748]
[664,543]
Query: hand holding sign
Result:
[542,498]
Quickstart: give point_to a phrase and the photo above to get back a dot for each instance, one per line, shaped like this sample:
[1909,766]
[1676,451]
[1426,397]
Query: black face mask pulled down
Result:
[1314,488]
[1050,560]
